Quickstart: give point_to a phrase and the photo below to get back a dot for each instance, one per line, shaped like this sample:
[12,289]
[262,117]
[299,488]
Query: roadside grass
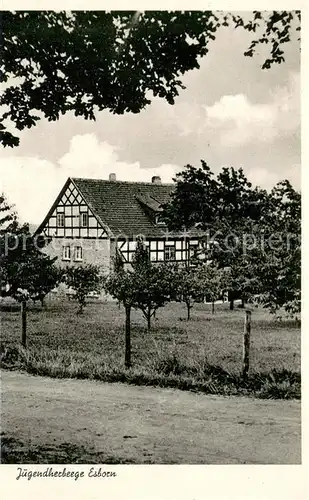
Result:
[204,354]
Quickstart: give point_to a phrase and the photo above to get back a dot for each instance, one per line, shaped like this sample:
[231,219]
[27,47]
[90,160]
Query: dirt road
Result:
[149,425]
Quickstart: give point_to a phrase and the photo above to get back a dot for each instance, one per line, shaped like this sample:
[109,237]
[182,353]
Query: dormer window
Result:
[159,221]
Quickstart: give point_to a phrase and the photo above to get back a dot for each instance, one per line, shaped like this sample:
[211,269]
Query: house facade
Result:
[91,220]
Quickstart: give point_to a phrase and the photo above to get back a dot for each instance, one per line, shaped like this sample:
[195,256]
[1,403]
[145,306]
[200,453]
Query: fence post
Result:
[128,337]
[24,323]
[246,351]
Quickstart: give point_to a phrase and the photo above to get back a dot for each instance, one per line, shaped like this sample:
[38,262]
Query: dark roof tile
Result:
[126,207]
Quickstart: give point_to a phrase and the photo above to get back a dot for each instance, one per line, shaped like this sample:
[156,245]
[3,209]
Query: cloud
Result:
[32,184]
[266,179]
[183,118]
[240,121]
[87,157]
[235,119]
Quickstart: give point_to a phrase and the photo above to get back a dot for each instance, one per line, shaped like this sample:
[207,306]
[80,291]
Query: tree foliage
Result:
[194,284]
[188,286]
[23,264]
[82,280]
[276,31]
[145,288]
[118,262]
[46,276]
[88,61]
[121,286]
[141,257]
[153,288]
[241,224]
[219,203]
[215,281]
[281,273]
[8,218]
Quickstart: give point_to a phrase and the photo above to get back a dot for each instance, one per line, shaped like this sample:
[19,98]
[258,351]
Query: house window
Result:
[169,253]
[66,252]
[60,219]
[78,253]
[84,219]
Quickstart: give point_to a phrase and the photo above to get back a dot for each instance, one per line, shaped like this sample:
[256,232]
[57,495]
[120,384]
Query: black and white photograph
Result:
[150,239]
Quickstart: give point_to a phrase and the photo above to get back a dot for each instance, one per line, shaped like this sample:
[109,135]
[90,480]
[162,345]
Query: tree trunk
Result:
[127,360]
[242,303]
[24,323]
[188,311]
[148,320]
[232,305]
[213,307]
[246,351]
[82,304]
[42,302]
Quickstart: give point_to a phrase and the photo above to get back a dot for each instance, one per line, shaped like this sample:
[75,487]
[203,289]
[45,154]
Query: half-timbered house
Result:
[91,219]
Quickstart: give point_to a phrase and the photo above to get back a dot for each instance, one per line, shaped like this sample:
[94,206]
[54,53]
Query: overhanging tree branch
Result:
[88,61]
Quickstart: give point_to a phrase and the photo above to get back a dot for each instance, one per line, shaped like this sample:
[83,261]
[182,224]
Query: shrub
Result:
[83,280]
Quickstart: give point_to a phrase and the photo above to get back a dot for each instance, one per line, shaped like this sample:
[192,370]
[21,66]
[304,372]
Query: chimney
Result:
[112,177]
[156,179]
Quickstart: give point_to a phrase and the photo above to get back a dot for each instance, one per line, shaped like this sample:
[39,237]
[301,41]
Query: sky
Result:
[232,113]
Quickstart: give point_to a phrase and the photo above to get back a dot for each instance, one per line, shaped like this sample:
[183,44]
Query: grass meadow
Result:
[203,354]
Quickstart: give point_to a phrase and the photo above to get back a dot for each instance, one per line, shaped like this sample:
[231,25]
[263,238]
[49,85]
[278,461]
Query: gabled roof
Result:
[121,205]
